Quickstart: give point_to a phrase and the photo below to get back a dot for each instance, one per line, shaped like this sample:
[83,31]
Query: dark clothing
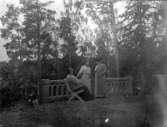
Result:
[85,95]
[77,85]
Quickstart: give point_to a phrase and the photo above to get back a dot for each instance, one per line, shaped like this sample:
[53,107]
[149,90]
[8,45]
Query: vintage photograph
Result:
[83,63]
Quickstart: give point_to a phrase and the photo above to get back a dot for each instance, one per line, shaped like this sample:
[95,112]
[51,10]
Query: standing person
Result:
[100,71]
[85,74]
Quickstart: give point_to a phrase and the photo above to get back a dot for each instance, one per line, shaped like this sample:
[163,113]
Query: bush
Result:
[15,80]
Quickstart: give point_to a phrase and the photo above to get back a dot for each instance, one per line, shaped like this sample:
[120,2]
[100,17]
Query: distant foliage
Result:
[69,47]
[141,48]
[28,26]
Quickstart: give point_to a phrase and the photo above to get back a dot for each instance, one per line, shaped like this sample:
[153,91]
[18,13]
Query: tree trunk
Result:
[115,40]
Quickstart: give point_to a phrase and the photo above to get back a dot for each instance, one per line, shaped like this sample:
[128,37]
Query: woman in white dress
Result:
[85,74]
[100,71]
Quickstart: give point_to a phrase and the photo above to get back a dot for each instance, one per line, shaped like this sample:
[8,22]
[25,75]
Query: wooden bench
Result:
[118,86]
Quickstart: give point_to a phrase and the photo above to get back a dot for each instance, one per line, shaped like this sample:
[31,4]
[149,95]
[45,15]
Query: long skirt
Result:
[99,86]
[86,81]
[86,95]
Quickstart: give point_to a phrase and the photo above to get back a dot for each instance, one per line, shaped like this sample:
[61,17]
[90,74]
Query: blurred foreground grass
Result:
[96,113]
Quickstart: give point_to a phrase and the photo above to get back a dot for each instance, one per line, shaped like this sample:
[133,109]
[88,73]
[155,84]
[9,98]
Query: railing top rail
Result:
[119,78]
[52,80]
[48,81]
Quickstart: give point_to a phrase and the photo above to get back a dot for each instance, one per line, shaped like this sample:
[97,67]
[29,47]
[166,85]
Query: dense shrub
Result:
[15,78]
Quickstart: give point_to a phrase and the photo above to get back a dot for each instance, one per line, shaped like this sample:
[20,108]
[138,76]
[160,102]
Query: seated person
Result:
[77,85]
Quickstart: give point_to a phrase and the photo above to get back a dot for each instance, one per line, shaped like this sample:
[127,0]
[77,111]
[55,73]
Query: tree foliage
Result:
[26,27]
[70,44]
[139,36]
[141,51]
[12,31]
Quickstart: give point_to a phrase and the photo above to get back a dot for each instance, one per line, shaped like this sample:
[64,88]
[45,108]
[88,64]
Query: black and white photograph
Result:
[83,63]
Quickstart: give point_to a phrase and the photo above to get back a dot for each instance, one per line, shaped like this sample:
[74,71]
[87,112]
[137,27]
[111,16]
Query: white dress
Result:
[100,71]
[85,73]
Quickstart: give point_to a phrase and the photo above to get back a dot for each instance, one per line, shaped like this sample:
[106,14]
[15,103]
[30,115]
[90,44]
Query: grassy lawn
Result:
[97,113]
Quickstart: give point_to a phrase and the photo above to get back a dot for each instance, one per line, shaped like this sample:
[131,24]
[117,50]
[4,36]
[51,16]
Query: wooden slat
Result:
[50,90]
[57,90]
[119,85]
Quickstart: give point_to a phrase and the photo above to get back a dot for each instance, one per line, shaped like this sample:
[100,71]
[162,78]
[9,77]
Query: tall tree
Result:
[139,31]
[39,23]
[29,29]
[80,27]
[159,36]
[12,31]
[140,42]
[69,46]
[103,14]
[69,24]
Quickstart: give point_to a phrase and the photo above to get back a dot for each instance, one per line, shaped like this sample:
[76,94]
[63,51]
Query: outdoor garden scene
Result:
[83,63]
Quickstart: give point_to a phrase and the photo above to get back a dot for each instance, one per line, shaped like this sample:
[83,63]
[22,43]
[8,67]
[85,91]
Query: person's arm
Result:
[104,69]
[72,78]
[80,72]
[90,73]
[96,68]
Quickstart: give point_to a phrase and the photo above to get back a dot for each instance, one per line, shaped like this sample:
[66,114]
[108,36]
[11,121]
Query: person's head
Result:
[70,70]
[87,62]
[99,60]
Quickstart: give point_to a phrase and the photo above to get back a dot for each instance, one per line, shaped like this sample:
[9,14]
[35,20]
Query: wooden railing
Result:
[53,89]
[121,86]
